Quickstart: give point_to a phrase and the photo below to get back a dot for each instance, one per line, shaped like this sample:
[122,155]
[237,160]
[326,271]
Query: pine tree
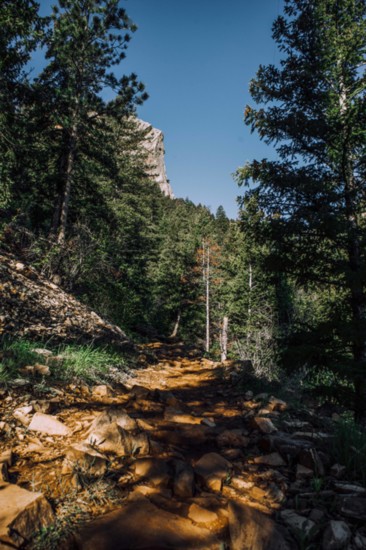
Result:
[86,39]
[309,204]
[20,32]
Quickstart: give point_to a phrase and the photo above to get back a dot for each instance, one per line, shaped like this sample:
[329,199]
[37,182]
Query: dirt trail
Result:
[182,456]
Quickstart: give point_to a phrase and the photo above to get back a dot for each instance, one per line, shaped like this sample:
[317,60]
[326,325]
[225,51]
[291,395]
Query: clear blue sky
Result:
[196,58]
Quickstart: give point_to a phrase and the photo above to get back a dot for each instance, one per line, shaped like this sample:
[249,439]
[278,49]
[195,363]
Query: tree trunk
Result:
[223,338]
[176,326]
[208,300]
[68,175]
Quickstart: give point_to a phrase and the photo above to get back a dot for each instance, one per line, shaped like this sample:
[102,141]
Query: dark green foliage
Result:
[308,206]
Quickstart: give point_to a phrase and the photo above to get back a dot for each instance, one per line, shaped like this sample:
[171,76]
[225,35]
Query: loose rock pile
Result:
[180,459]
[33,307]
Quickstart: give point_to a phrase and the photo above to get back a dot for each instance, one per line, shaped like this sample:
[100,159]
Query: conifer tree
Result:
[309,204]
[86,39]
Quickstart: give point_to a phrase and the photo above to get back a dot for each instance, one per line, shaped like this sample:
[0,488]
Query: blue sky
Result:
[196,58]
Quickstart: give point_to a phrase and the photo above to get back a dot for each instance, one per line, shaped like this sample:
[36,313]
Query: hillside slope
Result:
[33,307]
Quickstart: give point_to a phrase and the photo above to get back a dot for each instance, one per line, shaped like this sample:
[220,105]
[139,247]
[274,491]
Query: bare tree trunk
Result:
[208,300]
[176,326]
[223,338]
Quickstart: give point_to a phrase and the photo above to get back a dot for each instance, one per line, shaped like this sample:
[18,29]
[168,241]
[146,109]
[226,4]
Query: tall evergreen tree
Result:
[86,39]
[310,203]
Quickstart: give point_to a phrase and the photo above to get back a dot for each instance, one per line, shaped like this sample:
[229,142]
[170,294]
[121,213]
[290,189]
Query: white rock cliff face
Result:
[154,145]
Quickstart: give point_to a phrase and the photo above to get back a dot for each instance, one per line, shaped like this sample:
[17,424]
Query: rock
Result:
[303,473]
[275,404]
[248,396]
[336,536]
[81,457]
[155,470]
[353,507]
[153,143]
[4,474]
[22,514]
[253,530]
[111,438]
[201,515]
[183,486]
[275,495]
[317,515]
[101,391]
[311,459]
[257,493]
[241,484]
[347,488]
[273,459]
[140,524]
[43,370]
[298,523]
[232,438]
[338,471]
[43,352]
[48,424]
[263,424]
[6,457]
[22,414]
[114,415]
[360,540]
[208,422]
[212,469]
[175,415]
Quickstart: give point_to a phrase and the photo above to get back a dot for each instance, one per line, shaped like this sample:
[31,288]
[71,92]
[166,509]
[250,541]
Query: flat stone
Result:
[213,469]
[139,524]
[250,529]
[48,424]
[22,514]
[200,515]
[82,457]
[241,484]
[275,404]
[336,536]
[273,459]
[347,488]
[303,473]
[265,425]
[114,415]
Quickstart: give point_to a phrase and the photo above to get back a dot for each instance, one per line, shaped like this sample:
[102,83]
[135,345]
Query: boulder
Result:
[263,424]
[212,469]
[22,515]
[83,458]
[336,536]
[253,530]
[183,486]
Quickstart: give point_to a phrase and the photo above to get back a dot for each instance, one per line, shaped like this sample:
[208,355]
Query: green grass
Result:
[87,363]
[349,449]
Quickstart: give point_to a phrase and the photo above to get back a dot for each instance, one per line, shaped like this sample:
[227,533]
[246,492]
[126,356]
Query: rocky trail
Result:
[181,456]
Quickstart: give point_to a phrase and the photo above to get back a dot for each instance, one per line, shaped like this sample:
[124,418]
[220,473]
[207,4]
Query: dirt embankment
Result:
[35,308]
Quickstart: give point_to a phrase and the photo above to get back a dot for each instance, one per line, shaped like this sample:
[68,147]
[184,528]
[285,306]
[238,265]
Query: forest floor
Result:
[182,456]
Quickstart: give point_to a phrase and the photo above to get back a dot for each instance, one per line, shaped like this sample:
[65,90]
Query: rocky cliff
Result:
[154,144]
[33,307]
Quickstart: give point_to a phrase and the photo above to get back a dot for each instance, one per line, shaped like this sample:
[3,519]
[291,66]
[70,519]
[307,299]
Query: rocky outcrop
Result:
[153,142]
[33,307]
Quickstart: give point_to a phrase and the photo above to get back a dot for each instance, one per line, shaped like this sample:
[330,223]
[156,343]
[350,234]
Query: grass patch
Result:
[69,363]
[349,449]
